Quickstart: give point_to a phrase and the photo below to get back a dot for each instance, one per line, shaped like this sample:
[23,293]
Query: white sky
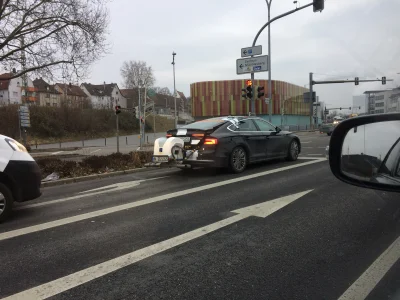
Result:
[349,38]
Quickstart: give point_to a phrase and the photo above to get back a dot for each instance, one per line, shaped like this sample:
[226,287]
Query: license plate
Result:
[185,139]
[160,158]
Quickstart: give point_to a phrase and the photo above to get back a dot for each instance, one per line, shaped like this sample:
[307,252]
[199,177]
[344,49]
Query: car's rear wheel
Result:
[293,151]
[238,160]
[6,202]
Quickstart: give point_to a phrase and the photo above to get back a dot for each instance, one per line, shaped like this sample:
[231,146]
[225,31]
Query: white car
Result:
[20,176]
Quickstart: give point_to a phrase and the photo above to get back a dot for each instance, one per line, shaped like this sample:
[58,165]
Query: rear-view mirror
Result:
[365,151]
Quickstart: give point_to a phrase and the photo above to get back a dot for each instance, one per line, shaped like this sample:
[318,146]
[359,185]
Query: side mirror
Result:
[278,129]
[365,151]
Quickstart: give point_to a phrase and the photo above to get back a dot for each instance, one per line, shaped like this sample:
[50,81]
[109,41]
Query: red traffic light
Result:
[249,82]
[117,109]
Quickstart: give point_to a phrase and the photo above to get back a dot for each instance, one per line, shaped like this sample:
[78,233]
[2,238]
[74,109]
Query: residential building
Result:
[104,95]
[12,91]
[46,93]
[72,95]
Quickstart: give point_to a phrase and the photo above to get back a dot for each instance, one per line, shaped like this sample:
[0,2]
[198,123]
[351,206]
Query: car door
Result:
[274,142]
[253,138]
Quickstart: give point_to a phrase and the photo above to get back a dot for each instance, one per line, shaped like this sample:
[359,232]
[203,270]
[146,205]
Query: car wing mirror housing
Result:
[365,151]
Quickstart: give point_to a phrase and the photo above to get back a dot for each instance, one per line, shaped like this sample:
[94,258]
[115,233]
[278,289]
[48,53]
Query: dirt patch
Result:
[93,164]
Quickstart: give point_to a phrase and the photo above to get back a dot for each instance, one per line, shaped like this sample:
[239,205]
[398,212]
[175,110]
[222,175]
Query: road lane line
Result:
[68,282]
[101,190]
[305,142]
[314,154]
[308,157]
[106,211]
[55,153]
[95,151]
[363,286]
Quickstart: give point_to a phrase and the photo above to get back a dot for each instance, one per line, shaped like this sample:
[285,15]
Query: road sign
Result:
[316,104]
[306,97]
[266,100]
[25,117]
[151,92]
[25,123]
[249,51]
[24,108]
[252,65]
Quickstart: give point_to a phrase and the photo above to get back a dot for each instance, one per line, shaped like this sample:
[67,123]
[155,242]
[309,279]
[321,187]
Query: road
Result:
[280,230]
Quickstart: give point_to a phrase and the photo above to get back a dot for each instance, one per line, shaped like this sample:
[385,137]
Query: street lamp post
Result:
[269,63]
[173,67]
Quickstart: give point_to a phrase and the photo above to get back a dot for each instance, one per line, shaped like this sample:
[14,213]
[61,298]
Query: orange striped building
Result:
[223,98]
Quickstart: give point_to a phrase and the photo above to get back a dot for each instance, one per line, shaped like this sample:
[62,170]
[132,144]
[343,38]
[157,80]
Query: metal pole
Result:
[311,99]
[253,102]
[140,118]
[269,64]
[173,67]
[117,134]
[154,120]
[19,124]
[144,114]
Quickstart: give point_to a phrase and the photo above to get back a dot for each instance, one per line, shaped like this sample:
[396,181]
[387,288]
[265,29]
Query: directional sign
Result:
[25,123]
[252,65]
[306,97]
[249,51]
[24,108]
[24,117]
[266,100]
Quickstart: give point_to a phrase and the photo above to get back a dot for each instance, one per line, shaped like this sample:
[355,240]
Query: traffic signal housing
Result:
[117,109]
[249,91]
[356,81]
[318,5]
[383,80]
[244,95]
[260,92]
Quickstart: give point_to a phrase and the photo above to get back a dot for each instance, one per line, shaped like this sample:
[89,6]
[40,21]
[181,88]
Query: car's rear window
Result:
[205,124]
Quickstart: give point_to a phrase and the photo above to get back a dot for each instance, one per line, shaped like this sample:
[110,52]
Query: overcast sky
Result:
[349,38]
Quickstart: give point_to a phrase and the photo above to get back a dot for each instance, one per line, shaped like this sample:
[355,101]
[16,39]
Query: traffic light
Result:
[340,108]
[244,95]
[383,80]
[318,5]
[249,92]
[136,112]
[260,91]
[117,109]
[357,81]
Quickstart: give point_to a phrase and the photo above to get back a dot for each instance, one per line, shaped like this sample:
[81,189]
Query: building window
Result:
[18,83]
[47,95]
[15,94]
[47,104]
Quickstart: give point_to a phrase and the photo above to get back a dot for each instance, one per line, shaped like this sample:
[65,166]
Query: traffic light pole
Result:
[117,134]
[311,100]
[253,105]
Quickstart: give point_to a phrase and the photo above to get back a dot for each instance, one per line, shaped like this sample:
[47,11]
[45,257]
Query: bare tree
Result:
[52,38]
[137,74]
[162,91]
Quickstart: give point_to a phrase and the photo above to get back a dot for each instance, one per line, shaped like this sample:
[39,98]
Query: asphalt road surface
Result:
[280,230]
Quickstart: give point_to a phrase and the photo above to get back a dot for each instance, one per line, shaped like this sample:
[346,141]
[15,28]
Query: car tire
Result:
[293,151]
[6,202]
[238,160]
[329,133]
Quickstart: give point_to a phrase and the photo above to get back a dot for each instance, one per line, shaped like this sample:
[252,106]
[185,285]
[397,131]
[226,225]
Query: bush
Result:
[93,164]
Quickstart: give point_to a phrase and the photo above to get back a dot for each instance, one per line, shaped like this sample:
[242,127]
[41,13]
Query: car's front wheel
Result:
[293,151]
[6,202]
[238,160]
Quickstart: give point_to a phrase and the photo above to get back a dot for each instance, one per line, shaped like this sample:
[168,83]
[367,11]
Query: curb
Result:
[92,177]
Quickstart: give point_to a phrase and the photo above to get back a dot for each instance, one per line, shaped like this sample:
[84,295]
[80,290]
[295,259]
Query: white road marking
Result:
[106,211]
[323,147]
[309,157]
[363,286]
[55,153]
[307,147]
[95,151]
[101,190]
[63,284]
[305,142]
[314,154]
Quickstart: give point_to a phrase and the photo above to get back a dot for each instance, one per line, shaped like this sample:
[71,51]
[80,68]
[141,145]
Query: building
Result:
[12,91]
[46,93]
[383,101]
[360,104]
[72,95]
[104,95]
[223,98]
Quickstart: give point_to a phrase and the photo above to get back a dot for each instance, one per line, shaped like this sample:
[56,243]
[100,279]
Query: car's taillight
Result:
[169,135]
[200,135]
[210,141]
